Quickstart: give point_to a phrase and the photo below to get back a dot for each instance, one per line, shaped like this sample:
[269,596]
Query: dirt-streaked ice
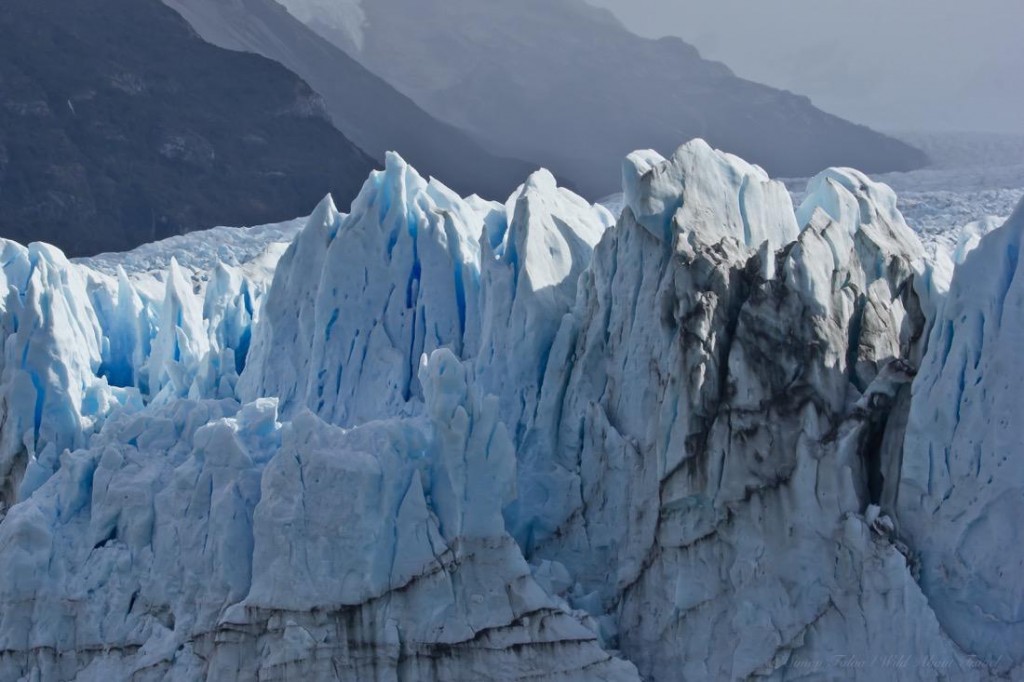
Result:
[443,438]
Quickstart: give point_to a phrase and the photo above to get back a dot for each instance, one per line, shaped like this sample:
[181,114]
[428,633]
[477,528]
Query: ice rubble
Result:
[447,438]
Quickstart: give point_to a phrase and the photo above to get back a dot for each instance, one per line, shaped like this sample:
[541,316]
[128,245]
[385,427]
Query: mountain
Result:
[120,126]
[567,86]
[443,438]
[368,110]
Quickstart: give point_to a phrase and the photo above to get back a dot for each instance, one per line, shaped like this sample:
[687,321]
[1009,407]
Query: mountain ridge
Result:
[568,86]
[363,106]
[121,126]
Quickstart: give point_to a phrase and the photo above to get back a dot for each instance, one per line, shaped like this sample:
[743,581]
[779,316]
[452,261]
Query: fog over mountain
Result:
[567,86]
[906,65]
[365,108]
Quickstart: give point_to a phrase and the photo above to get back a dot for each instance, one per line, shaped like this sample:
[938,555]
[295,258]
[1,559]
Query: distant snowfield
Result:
[940,203]
[199,250]
[974,177]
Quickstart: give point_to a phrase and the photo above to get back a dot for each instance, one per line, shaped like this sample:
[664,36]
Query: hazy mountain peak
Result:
[567,86]
[370,111]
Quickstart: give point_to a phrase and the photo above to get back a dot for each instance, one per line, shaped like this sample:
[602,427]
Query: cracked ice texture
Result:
[81,345]
[414,267]
[698,464]
[202,526]
[207,538]
[692,422]
[960,487]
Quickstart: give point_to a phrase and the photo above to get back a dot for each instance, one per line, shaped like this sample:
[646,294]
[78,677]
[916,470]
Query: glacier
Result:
[959,492]
[713,436]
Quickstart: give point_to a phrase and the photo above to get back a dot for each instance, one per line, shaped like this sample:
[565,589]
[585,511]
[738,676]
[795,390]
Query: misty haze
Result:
[507,340]
[907,66]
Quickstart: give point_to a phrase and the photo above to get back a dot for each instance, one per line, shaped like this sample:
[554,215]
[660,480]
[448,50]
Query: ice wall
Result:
[960,484]
[444,438]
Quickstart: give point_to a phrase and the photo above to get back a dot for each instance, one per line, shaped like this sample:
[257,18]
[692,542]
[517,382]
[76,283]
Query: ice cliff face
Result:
[201,538]
[414,267]
[444,438]
[722,402]
[960,485]
[194,534]
[80,345]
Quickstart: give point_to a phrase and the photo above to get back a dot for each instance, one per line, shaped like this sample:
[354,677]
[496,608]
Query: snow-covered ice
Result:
[712,436]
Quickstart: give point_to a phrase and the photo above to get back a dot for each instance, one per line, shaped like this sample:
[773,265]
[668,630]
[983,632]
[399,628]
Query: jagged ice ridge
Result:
[444,438]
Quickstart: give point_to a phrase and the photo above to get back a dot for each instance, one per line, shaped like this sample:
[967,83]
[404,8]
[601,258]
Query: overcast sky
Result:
[898,65]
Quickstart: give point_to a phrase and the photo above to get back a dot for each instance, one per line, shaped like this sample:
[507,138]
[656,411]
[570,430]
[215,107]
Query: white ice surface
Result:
[443,438]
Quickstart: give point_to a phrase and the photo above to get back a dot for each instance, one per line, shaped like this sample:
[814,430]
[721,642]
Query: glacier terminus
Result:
[715,436]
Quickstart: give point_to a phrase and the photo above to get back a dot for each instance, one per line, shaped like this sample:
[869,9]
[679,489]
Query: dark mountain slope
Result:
[564,84]
[367,109]
[119,125]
